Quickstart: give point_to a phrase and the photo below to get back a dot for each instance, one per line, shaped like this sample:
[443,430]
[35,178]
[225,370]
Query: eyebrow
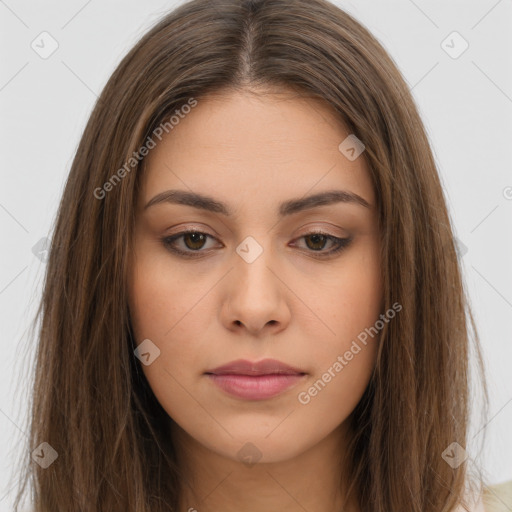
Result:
[290,207]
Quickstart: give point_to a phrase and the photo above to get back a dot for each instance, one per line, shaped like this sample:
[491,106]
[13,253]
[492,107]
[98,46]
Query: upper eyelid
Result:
[311,231]
[308,230]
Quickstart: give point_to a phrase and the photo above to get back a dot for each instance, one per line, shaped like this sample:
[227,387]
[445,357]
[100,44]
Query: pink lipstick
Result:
[255,380]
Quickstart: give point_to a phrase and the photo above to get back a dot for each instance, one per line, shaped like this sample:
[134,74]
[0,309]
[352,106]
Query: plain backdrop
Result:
[464,97]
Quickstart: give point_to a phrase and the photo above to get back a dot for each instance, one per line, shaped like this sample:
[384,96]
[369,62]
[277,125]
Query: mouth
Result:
[262,380]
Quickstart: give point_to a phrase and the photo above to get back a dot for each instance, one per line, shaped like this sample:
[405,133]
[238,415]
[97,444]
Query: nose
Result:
[256,297]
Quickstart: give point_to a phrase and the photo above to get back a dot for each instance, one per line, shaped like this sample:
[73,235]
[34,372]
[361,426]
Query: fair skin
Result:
[252,154]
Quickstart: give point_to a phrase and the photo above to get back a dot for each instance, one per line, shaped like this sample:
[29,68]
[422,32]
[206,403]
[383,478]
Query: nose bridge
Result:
[255,288]
[253,259]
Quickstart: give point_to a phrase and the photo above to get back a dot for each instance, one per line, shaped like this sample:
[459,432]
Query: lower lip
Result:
[257,387]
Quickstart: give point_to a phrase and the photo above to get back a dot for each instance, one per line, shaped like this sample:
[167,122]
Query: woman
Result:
[253,299]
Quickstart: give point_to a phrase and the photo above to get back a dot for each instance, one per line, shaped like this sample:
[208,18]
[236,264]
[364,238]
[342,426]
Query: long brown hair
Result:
[91,402]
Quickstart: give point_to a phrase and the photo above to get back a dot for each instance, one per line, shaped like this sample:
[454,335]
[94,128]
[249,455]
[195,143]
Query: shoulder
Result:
[494,498]
[498,498]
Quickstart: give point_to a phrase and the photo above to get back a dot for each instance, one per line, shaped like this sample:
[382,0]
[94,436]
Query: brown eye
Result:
[318,241]
[194,241]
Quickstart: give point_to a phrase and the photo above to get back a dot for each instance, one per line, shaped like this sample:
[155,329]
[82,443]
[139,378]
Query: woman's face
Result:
[255,282]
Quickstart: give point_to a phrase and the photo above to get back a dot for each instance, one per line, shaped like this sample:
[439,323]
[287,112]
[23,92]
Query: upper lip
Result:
[264,367]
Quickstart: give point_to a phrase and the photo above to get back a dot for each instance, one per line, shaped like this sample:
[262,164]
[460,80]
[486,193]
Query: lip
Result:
[255,380]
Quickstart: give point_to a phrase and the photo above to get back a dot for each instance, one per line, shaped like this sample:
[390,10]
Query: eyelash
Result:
[341,244]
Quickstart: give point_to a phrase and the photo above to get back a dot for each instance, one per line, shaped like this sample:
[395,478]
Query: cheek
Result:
[160,296]
[350,303]
[165,307]
[344,364]
[349,298]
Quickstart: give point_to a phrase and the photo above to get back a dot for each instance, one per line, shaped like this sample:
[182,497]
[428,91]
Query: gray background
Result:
[465,102]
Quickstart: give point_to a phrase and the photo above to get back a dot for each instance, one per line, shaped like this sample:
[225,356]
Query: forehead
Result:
[249,148]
